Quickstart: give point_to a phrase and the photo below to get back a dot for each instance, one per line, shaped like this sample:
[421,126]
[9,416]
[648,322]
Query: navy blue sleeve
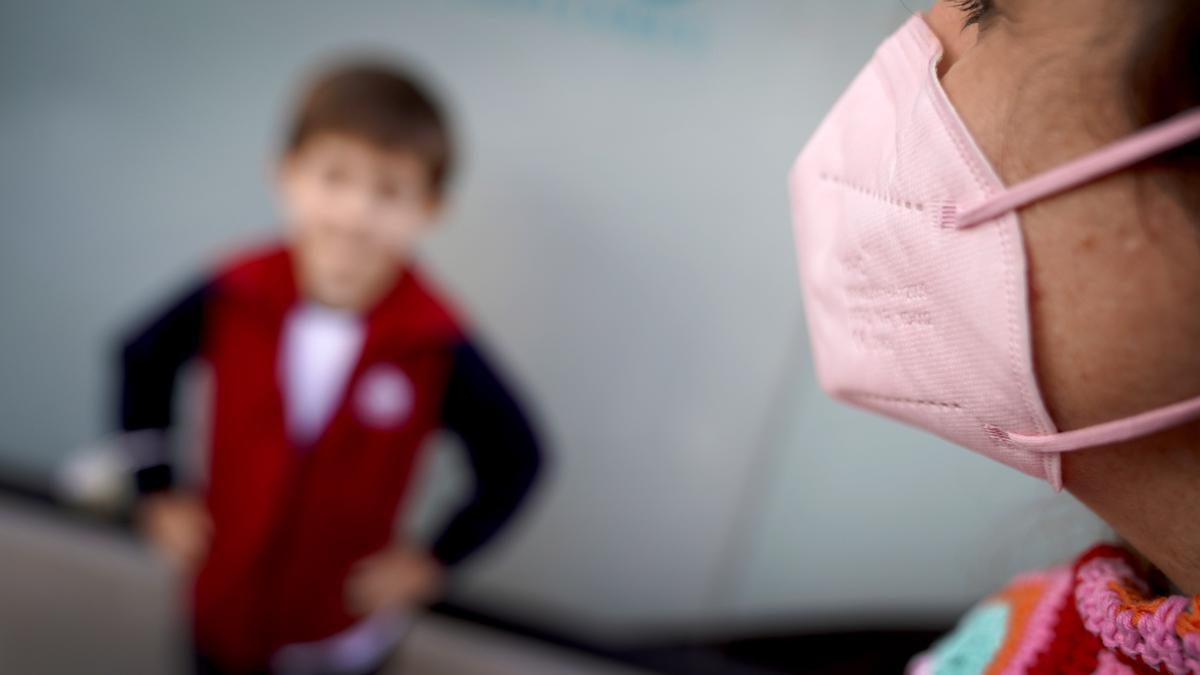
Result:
[502,449]
[151,358]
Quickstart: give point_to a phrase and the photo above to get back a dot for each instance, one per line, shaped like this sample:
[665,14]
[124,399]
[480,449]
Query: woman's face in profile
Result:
[1114,265]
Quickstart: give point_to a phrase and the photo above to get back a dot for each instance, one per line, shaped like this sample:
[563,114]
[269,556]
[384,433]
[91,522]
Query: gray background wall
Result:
[619,233]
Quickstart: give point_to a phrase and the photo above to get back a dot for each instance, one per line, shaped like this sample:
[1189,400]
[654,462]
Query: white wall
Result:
[619,233]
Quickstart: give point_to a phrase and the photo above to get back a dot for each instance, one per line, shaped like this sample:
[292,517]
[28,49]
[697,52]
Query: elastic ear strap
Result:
[1116,431]
[1151,141]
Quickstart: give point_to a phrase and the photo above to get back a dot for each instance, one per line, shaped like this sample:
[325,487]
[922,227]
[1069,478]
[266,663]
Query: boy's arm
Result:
[150,361]
[502,448]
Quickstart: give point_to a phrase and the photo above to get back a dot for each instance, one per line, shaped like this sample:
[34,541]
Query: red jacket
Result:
[289,521]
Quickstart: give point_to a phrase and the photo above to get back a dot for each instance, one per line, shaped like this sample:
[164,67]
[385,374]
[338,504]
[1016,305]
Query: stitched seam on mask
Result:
[956,129]
[940,106]
[908,401]
[902,203]
[1013,333]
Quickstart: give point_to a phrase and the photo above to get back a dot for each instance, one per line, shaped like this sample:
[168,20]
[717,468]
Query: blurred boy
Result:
[332,359]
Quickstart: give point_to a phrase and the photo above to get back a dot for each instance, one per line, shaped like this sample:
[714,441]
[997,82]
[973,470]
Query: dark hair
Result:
[1164,80]
[380,104]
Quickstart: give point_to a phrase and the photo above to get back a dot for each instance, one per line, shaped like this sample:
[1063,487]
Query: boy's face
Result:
[356,211]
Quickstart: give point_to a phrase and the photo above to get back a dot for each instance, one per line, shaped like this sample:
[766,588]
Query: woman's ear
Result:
[948,22]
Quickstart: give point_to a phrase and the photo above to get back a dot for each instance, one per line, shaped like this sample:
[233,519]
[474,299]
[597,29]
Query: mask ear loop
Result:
[1148,142]
[1151,141]
[1116,431]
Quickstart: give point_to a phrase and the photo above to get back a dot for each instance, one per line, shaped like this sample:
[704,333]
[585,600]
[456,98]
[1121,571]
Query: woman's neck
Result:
[1147,491]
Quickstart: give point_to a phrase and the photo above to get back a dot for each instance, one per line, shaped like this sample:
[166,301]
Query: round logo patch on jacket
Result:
[384,397]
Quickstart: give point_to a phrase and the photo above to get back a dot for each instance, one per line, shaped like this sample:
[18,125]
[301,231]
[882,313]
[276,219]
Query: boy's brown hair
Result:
[380,104]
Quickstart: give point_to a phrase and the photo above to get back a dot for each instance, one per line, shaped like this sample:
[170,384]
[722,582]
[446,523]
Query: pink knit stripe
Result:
[1038,632]
[1153,638]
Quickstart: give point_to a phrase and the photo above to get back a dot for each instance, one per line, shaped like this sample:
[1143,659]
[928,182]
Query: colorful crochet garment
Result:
[1100,616]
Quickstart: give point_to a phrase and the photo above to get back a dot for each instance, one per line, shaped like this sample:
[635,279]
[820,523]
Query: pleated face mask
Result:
[913,266]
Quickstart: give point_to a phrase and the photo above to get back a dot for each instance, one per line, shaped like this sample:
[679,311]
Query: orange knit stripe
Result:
[1132,599]
[1022,599]
[1189,621]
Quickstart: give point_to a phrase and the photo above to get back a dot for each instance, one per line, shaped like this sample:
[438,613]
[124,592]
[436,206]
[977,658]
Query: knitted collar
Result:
[1118,603]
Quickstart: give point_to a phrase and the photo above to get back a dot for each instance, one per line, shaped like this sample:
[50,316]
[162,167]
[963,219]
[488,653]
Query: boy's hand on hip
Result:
[396,578]
[178,527]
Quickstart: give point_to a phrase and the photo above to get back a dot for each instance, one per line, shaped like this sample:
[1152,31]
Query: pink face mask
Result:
[913,266]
